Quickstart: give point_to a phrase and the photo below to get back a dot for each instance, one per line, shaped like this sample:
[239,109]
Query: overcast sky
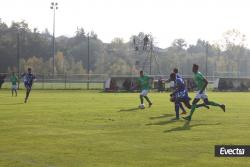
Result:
[165,19]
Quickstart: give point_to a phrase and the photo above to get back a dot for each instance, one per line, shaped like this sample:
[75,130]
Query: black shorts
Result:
[28,86]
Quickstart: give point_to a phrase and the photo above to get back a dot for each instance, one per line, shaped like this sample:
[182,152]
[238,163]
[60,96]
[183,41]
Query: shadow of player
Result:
[11,104]
[162,116]
[187,126]
[129,110]
[164,122]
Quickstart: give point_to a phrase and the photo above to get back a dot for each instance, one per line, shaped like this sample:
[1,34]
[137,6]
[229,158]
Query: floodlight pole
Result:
[18,55]
[54,7]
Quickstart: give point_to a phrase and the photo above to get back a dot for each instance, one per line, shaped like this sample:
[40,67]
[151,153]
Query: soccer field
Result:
[88,128]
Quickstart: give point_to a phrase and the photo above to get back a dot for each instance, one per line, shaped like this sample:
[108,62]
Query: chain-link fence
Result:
[74,81]
[61,81]
[96,81]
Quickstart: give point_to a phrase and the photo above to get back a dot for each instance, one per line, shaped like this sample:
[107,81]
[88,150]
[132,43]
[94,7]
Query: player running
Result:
[201,83]
[175,70]
[144,85]
[180,94]
[28,81]
[14,81]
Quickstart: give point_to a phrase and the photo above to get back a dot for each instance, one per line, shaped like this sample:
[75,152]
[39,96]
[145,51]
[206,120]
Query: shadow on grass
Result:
[164,122]
[11,104]
[162,116]
[129,110]
[187,126]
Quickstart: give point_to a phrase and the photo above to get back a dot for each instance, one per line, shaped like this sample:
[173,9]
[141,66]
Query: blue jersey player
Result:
[180,94]
[175,70]
[28,79]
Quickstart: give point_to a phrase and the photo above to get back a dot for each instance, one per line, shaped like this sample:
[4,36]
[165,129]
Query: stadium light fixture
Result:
[54,7]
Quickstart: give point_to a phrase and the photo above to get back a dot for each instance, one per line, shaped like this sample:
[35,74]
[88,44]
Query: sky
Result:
[165,19]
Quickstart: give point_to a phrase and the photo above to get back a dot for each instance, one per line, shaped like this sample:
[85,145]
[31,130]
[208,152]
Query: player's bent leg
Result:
[27,93]
[187,104]
[28,89]
[141,99]
[182,97]
[202,105]
[144,94]
[195,101]
[183,109]
[149,102]
[185,100]
[211,103]
[177,106]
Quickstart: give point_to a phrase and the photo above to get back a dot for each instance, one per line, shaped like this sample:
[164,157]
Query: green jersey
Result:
[199,80]
[144,82]
[13,79]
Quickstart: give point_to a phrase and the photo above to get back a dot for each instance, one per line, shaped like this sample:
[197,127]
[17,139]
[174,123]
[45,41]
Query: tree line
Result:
[22,47]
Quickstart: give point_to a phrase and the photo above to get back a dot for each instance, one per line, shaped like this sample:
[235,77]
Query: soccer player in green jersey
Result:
[14,81]
[144,85]
[201,83]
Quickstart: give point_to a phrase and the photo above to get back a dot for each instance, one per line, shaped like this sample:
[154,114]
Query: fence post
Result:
[88,82]
[104,81]
[43,81]
[65,80]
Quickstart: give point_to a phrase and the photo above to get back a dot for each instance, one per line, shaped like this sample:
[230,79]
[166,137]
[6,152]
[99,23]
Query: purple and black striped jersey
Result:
[28,79]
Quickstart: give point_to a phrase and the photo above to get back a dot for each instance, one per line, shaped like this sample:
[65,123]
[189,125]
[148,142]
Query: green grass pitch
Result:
[88,128]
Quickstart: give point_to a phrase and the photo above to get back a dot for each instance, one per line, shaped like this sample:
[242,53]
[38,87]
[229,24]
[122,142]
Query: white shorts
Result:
[144,92]
[14,87]
[201,95]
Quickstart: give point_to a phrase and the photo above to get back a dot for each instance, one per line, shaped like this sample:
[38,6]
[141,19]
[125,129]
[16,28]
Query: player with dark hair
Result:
[144,84]
[180,95]
[175,70]
[28,82]
[201,83]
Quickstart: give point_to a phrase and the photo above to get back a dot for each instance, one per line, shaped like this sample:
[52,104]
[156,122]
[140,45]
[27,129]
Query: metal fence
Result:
[83,81]
[62,81]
